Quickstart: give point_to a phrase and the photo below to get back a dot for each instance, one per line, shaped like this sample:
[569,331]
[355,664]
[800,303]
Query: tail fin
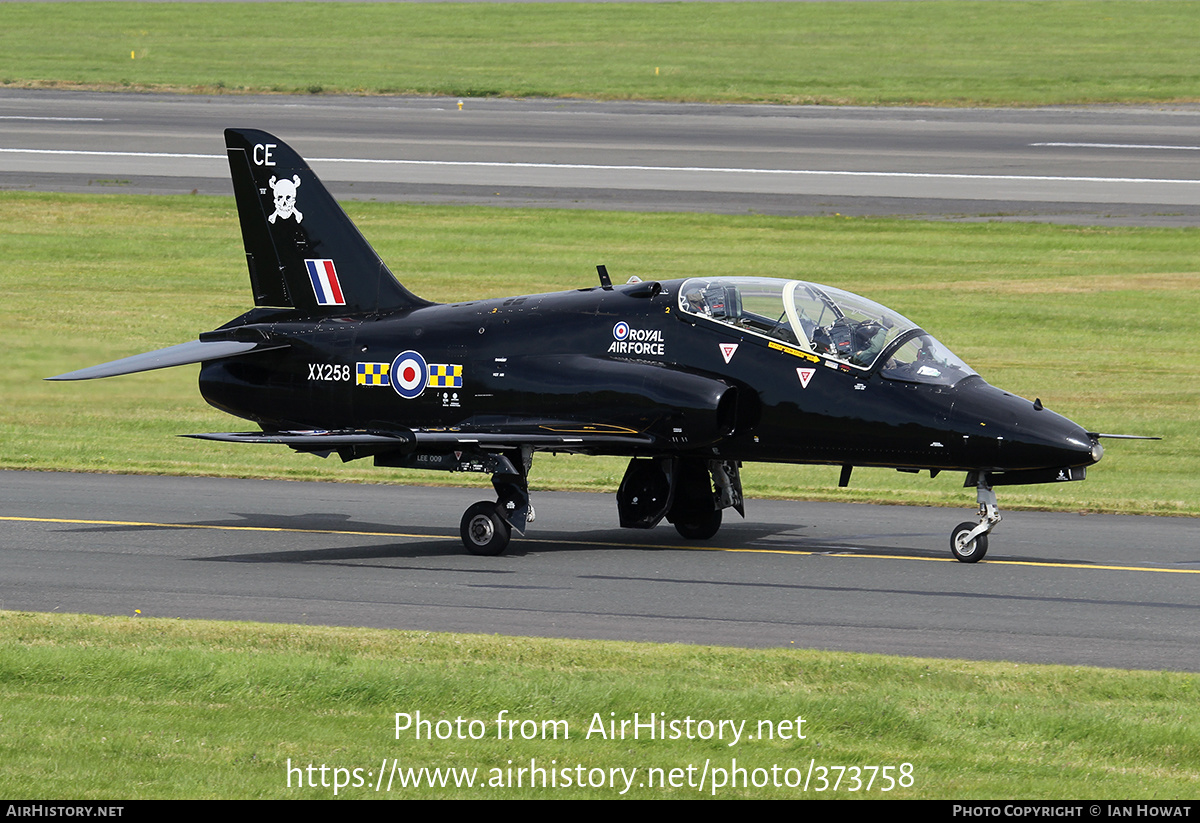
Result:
[302,249]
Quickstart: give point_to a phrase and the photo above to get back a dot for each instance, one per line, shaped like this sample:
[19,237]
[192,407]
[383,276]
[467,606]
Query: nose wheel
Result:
[964,547]
[969,541]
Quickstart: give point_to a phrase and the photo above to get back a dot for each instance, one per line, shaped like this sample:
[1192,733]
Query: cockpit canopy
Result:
[827,322]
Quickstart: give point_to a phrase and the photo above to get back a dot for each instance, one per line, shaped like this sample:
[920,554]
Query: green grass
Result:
[1097,322]
[96,708]
[943,53]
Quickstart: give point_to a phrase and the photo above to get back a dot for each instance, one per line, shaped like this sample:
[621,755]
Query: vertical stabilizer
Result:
[301,248]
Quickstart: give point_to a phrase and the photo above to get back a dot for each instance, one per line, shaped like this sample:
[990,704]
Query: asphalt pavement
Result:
[1102,590]
[1133,166]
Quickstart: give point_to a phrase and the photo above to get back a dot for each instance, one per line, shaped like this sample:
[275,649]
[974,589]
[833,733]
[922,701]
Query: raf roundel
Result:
[409,374]
[621,330]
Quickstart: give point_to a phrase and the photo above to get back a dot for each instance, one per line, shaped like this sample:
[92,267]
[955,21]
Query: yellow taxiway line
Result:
[601,544]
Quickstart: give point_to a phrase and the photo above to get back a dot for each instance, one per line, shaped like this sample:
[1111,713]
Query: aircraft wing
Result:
[538,437]
[197,351]
[312,440]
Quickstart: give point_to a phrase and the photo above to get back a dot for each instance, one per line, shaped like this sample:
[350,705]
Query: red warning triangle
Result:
[805,376]
[727,350]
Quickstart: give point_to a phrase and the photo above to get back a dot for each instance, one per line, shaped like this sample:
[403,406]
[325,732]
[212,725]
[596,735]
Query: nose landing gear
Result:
[969,541]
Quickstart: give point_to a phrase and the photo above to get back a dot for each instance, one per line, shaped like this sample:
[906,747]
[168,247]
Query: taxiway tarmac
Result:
[1100,590]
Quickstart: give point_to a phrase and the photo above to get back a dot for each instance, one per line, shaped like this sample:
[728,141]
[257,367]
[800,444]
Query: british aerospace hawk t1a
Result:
[689,378]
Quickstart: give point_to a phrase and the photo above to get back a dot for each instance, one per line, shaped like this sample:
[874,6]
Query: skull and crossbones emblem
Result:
[285,199]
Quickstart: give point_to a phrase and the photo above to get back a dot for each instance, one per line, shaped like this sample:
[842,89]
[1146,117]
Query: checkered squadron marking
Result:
[445,376]
[373,374]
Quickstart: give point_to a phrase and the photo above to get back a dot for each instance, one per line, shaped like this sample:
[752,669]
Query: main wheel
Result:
[700,526]
[965,549]
[484,531]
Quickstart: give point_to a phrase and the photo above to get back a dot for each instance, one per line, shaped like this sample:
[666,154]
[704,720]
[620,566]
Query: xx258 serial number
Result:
[329,371]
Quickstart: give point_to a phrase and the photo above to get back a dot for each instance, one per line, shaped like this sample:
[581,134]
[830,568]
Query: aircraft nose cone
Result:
[1005,432]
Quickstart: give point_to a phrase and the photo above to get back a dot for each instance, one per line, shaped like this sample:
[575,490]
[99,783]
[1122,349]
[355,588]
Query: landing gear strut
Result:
[969,541]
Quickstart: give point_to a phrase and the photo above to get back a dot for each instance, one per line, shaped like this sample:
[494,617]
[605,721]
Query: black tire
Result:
[967,551]
[700,526]
[484,532]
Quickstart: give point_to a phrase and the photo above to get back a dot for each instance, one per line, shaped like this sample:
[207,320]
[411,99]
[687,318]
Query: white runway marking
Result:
[1118,146]
[57,119]
[678,169]
[77,153]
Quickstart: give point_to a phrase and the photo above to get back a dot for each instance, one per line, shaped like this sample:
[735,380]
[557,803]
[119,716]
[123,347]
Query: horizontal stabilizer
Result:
[197,351]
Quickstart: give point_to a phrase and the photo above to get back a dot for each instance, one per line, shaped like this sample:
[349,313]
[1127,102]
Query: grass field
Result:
[1094,321]
[939,52]
[136,708]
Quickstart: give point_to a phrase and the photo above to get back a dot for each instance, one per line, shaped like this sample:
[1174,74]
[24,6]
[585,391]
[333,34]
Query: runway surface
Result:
[1058,588]
[1115,165]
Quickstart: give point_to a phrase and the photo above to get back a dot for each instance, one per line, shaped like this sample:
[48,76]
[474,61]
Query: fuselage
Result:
[631,359]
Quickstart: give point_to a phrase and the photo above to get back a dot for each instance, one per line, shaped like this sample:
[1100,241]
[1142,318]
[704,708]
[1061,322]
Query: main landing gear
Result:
[486,527]
[689,492]
[969,541]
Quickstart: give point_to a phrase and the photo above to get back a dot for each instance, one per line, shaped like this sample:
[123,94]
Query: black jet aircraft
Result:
[690,378]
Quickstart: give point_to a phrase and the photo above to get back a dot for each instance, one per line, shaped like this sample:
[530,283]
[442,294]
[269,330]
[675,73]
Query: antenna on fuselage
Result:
[605,282]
